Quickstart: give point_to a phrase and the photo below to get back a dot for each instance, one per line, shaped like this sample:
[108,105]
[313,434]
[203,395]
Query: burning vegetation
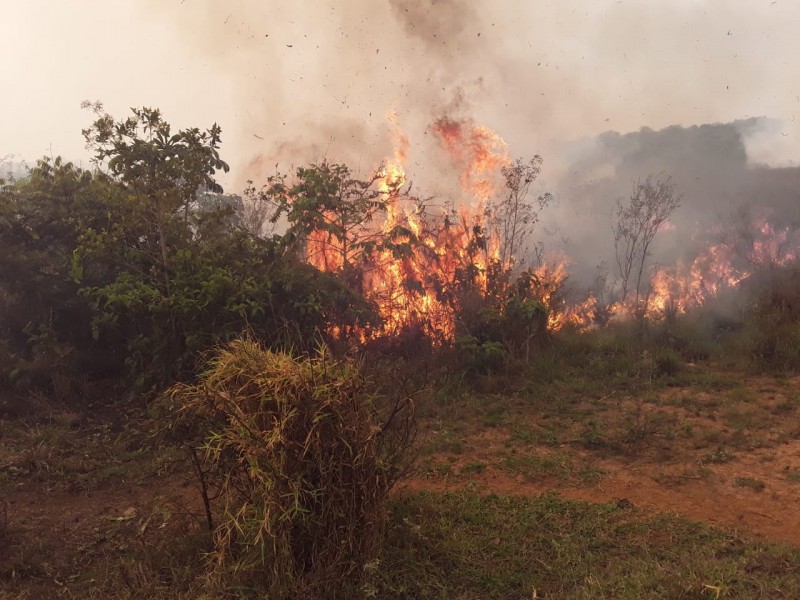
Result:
[473,267]
[126,276]
[429,270]
[156,274]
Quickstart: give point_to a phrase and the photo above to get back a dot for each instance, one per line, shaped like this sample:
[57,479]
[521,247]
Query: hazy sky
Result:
[292,81]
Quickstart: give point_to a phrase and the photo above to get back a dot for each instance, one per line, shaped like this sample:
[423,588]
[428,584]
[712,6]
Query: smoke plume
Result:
[684,84]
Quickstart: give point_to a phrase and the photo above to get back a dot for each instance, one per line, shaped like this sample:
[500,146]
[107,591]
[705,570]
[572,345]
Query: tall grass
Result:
[295,458]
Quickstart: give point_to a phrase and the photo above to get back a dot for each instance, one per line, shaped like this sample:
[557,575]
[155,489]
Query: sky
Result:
[293,82]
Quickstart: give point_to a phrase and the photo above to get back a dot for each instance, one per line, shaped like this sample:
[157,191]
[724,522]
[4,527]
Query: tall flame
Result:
[411,278]
[477,151]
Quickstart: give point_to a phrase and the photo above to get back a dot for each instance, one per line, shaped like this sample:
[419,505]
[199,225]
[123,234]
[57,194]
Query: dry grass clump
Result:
[295,459]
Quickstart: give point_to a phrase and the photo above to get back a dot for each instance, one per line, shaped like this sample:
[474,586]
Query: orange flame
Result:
[412,277]
[721,266]
[477,150]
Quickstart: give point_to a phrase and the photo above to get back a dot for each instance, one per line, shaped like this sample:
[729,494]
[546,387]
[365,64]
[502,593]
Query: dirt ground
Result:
[773,513]
[729,457]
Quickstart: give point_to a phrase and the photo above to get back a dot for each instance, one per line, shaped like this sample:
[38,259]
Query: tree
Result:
[514,217]
[332,223]
[128,266]
[330,213]
[163,171]
[43,320]
[174,270]
[652,202]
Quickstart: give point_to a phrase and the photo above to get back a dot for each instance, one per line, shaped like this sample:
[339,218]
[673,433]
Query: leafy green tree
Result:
[42,318]
[176,271]
[128,267]
[163,171]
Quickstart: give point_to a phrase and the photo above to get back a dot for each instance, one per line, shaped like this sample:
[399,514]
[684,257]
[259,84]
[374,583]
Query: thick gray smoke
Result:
[709,165]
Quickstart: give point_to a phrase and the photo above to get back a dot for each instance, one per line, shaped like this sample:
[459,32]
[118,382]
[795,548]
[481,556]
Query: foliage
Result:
[480,357]
[42,319]
[651,204]
[299,459]
[143,264]
[327,203]
[772,323]
[499,310]
[331,224]
[175,272]
[513,217]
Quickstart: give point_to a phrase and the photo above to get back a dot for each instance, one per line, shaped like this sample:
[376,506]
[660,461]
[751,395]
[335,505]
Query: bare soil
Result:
[737,467]
[773,513]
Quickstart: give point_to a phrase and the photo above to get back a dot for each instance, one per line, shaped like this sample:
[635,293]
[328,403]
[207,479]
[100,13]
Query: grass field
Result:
[625,477]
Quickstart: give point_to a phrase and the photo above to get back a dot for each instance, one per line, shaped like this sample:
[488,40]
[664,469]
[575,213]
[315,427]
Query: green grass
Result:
[558,465]
[444,546]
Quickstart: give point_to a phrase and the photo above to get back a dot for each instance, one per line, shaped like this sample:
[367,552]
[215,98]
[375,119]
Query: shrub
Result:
[480,357]
[668,362]
[773,329]
[296,461]
[685,335]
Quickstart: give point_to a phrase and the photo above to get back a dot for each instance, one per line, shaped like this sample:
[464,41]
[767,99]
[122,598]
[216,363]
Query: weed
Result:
[534,435]
[787,406]
[473,467]
[444,441]
[591,434]
[741,395]
[750,482]
[495,416]
[436,470]
[793,475]
[718,457]
[300,461]
[558,465]
[641,425]
[462,545]
[749,416]
[668,362]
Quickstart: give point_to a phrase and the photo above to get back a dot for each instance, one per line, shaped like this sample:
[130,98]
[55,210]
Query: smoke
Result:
[318,79]
[684,81]
[711,166]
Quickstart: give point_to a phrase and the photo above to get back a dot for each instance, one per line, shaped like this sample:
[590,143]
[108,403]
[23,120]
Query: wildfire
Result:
[414,277]
[721,266]
[477,151]
[418,273]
